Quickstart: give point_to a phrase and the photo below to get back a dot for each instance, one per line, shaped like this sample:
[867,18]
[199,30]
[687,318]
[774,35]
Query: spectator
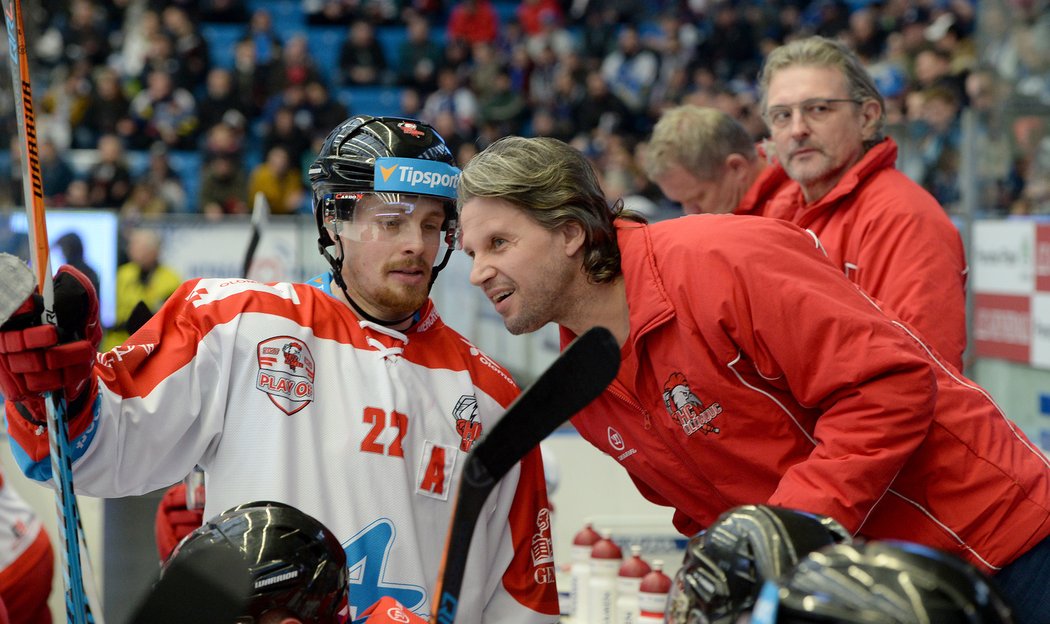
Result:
[86,34]
[473,21]
[884,231]
[419,56]
[278,179]
[164,112]
[295,66]
[261,33]
[361,58]
[631,70]
[189,45]
[250,78]
[323,110]
[164,181]
[109,178]
[144,283]
[452,97]
[72,248]
[106,111]
[220,96]
[505,107]
[224,187]
[287,134]
[705,162]
[59,172]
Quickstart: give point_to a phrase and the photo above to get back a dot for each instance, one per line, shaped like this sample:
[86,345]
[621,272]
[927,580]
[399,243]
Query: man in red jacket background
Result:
[884,231]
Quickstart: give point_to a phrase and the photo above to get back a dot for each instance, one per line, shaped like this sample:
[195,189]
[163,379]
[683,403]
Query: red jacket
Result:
[770,181]
[755,374]
[893,240]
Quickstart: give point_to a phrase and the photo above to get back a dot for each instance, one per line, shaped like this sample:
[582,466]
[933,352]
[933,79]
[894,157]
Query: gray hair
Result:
[554,184]
[698,139]
[822,52]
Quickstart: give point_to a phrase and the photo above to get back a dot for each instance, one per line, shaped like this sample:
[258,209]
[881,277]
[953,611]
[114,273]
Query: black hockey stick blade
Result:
[582,372]
[207,587]
[16,284]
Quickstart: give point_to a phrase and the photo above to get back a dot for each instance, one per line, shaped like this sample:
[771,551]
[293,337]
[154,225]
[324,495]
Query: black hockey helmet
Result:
[294,561]
[393,156]
[725,565]
[882,582]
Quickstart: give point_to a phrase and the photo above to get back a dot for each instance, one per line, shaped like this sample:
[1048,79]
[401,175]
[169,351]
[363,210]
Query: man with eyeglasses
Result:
[886,233]
[705,161]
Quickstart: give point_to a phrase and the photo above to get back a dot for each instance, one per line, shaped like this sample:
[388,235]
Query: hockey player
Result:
[26,561]
[347,397]
[296,567]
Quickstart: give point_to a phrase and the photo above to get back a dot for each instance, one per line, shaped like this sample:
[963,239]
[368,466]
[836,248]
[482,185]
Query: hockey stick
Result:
[260,215]
[576,378]
[78,610]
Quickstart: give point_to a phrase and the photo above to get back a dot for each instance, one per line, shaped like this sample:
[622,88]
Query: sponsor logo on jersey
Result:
[211,290]
[542,548]
[686,409]
[416,176]
[618,445]
[468,425]
[484,359]
[286,373]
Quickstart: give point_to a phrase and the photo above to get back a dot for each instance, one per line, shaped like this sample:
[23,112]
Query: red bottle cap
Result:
[634,566]
[586,536]
[656,582]
[605,548]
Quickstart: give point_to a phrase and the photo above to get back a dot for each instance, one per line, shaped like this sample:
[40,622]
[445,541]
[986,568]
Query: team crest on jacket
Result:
[286,373]
[686,409]
[468,426]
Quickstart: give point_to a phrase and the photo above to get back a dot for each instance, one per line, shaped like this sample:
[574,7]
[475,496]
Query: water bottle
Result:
[628,580]
[606,558]
[652,595]
[580,571]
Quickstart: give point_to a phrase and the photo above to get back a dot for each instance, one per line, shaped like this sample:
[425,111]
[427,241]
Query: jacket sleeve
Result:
[912,260]
[157,405]
[804,328]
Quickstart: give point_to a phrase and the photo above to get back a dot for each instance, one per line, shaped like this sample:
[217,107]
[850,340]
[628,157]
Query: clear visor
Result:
[391,218]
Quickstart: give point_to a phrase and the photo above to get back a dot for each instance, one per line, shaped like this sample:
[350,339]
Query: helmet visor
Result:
[390,218]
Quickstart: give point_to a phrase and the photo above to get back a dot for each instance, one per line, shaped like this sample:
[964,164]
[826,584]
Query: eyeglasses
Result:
[813,109]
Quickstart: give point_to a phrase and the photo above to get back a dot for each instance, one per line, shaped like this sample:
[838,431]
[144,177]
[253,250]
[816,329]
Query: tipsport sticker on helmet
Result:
[411,175]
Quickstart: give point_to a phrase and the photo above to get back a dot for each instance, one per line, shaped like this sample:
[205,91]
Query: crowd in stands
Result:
[175,106]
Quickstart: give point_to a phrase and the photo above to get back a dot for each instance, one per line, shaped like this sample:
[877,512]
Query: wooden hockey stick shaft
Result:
[78,610]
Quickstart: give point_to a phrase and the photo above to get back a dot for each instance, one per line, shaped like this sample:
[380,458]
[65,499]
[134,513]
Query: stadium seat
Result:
[371,100]
[221,38]
[324,43]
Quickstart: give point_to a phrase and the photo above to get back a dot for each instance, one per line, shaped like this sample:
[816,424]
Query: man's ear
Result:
[573,237]
[871,112]
[736,166]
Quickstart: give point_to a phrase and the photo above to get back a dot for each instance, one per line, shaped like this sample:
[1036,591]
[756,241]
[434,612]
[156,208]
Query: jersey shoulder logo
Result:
[468,425]
[686,409]
[286,373]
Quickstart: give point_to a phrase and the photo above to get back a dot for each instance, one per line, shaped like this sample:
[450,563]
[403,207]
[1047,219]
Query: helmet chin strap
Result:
[337,275]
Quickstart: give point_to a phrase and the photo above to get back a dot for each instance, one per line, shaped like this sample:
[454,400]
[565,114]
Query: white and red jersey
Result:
[19,526]
[281,393]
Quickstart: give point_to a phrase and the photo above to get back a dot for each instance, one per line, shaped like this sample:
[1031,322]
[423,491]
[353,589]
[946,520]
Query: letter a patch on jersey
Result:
[434,477]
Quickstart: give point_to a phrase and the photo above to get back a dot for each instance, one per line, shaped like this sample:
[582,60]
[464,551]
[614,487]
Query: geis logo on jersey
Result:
[686,409]
[286,373]
[468,425]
